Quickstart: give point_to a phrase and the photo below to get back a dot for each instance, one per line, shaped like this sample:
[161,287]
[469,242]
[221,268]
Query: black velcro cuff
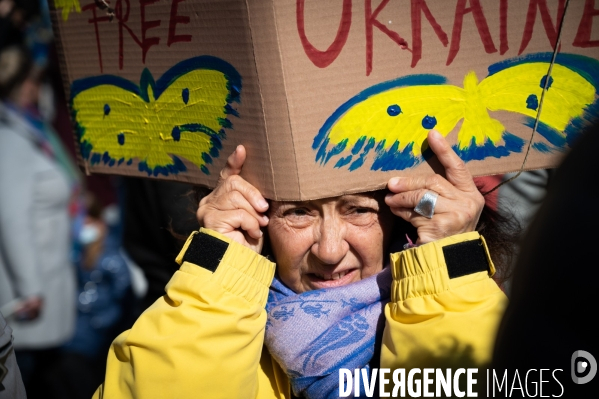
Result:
[205,251]
[466,258]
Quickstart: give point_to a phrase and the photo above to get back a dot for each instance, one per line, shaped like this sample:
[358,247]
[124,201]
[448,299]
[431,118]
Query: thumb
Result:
[234,163]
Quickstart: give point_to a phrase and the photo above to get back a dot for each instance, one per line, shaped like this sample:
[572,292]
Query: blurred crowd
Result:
[69,280]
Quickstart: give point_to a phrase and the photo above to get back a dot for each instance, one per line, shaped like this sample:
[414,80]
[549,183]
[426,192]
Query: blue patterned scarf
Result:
[314,334]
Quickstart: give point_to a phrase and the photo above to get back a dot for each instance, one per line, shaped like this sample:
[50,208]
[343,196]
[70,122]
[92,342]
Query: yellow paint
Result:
[506,90]
[67,6]
[147,126]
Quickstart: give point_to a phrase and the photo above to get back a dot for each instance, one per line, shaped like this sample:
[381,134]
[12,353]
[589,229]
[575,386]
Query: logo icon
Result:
[583,367]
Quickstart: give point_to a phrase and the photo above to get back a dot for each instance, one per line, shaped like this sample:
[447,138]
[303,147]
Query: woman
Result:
[37,184]
[210,336]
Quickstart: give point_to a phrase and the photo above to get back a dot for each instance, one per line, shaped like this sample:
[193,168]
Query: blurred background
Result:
[82,256]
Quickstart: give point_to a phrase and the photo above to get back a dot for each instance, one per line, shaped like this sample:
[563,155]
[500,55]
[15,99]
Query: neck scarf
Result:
[314,334]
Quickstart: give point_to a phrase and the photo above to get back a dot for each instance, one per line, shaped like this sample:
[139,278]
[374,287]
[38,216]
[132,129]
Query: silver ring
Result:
[426,205]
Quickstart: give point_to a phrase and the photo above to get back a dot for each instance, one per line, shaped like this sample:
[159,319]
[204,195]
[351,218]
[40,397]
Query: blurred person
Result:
[11,385]
[152,211]
[38,189]
[14,18]
[553,298]
[524,195]
[104,300]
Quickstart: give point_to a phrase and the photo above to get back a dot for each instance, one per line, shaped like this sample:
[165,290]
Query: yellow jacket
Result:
[204,338]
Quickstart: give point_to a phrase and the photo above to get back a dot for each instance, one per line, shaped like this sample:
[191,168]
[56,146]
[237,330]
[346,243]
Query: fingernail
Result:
[388,196]
[394,181]
[265,218]
[263,204]
[436,134]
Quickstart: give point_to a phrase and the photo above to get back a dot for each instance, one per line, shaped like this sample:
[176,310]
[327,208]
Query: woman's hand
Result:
[235,207]
[458,206]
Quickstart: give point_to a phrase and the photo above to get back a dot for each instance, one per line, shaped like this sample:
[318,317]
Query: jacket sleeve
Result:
[204,337]
[445,308]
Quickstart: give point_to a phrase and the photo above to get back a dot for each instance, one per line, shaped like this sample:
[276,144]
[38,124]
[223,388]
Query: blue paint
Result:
[207,158]
[120,138]
[542,147]
[106,109]
[96,158]
[381,145]
[176,133]
[343,161]
[205,170]
[586,67]
[411,80]
[231,111]
[357,163]
[185,95]
[577,125]
[225,123]
[394,110]
[553,136]
[106,157]
[174,168]
[429,122]
[393,159]
[178,164]
[544,80]
[488,149]
[360,161]
[322,152]
[336,150]
[532,102]
[370,145]
[198,127]
[358,145]
[129,161]
[111,162]
[159,86]
[120,161]
[235,91]
[86,149]
[216,143]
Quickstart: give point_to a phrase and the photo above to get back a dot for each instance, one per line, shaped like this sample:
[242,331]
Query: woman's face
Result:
[329,242]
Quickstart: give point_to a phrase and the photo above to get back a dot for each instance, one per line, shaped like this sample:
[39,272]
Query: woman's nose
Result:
[330,245]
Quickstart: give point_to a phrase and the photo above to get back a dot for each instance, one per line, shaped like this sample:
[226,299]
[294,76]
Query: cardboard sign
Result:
[329,97]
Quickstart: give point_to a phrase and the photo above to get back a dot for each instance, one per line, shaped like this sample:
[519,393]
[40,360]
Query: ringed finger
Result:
[410,200]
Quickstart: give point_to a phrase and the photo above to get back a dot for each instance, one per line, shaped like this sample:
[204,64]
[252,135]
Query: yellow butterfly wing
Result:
[517,86]
[392,121]
[182,115]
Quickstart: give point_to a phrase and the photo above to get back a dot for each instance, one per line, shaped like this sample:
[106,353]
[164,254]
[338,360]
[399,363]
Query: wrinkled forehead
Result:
[347,199]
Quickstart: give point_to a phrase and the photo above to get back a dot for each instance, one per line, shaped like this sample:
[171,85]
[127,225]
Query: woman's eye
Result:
[296,212]
[361,211]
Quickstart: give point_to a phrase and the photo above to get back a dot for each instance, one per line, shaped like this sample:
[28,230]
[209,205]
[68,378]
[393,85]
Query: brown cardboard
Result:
[290,87]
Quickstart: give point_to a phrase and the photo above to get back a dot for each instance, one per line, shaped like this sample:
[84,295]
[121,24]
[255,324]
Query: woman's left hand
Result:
[459,203]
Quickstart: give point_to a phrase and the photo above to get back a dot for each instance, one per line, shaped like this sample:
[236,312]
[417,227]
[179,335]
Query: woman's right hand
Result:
[235,208]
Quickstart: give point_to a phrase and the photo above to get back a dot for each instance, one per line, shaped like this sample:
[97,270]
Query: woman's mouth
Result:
[329,280]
